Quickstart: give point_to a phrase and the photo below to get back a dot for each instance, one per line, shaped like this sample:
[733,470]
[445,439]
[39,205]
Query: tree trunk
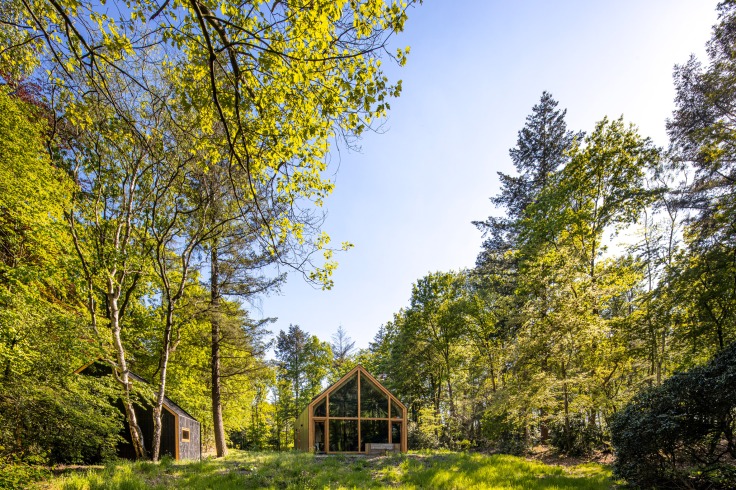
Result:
[543,427]
[491,362]
[163,368]
[660,364]
[452,400]
[136,434]
[568,436]
[217,425]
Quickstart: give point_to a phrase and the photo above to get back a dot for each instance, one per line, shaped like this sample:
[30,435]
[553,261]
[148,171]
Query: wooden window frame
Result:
[390,419]
[186,435]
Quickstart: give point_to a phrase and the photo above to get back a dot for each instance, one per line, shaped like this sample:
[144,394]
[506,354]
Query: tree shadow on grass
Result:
[468,470]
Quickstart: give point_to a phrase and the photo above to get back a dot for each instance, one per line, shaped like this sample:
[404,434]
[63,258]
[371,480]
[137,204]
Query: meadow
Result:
[435,469]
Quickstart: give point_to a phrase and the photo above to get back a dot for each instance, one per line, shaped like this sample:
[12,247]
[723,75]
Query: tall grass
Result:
[305,471]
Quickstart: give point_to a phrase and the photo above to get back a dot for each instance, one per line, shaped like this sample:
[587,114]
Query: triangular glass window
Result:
[344,400]
[373,401]
[396,411]
[320,410]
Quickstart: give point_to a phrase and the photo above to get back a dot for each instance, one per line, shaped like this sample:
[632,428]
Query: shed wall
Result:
[191,449]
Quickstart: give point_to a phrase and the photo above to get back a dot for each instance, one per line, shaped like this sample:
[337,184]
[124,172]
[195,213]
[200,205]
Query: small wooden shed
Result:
[180,431]
[357,414]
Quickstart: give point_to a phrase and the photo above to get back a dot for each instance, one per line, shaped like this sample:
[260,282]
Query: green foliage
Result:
[425,433]
[259,90]
[72,421]
[343,353]
[682,432]
[266,89]
[18,48]
[21,475]
[578,437]
[536,344]
[703,138]
[186,128]
[506,433]
[303,362]
[422,353]
[47,415]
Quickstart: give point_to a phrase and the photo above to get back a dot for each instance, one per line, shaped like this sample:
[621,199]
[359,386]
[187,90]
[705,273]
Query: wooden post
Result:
[359,414]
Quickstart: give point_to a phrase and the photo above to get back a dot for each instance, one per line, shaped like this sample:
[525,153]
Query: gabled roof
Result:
[348,375]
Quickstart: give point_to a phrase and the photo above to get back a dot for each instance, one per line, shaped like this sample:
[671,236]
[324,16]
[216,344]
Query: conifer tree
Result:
[539,152]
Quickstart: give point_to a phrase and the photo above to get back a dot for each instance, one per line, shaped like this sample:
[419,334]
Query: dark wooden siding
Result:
[168,434]
[191,449]
[145,421]
[144,417]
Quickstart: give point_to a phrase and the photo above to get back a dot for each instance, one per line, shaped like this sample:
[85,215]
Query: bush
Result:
[418,438]
[504,435]
[582,439]
[425,434]
[70,422]
[21,476]
[682,432]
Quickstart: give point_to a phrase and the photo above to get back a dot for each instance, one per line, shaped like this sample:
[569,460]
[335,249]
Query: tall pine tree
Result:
[539,152]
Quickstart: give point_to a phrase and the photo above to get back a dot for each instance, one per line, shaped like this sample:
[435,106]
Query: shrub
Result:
[582,439]
[21,476]
[421,439]
[70,422]
[425,434]
[504,435]
[682,432]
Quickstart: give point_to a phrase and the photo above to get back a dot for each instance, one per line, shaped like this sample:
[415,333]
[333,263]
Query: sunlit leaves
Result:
[273,84]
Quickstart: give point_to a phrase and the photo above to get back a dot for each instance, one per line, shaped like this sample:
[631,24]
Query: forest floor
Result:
[424,469]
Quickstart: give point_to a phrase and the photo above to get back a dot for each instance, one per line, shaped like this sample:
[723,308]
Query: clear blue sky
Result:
[476,69]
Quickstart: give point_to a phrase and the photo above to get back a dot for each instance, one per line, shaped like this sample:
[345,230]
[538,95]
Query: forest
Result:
[161,167]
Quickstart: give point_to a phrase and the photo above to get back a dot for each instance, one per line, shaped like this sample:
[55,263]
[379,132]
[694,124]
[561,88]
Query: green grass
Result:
[436,469]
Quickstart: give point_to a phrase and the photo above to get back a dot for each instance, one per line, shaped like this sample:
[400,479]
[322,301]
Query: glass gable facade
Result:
[357,416]
[344,400]
[373,401]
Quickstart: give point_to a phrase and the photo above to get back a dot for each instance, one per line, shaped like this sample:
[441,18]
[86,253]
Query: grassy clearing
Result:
[304,471]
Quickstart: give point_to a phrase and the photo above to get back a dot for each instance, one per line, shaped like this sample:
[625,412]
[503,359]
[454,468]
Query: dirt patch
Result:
[547,455]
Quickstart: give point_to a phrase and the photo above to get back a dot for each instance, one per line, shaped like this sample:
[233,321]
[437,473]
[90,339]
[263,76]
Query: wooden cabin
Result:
[180,432]
[355,415]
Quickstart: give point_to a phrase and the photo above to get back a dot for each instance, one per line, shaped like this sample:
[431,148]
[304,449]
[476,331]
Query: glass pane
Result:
[319,436]
[344,400]
[320,410]
[396,432]
[396,411]
[373,402]
[374,431]
[343,435]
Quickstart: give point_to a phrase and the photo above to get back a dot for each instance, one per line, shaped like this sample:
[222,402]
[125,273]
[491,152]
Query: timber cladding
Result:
[189,449]
[357,414]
